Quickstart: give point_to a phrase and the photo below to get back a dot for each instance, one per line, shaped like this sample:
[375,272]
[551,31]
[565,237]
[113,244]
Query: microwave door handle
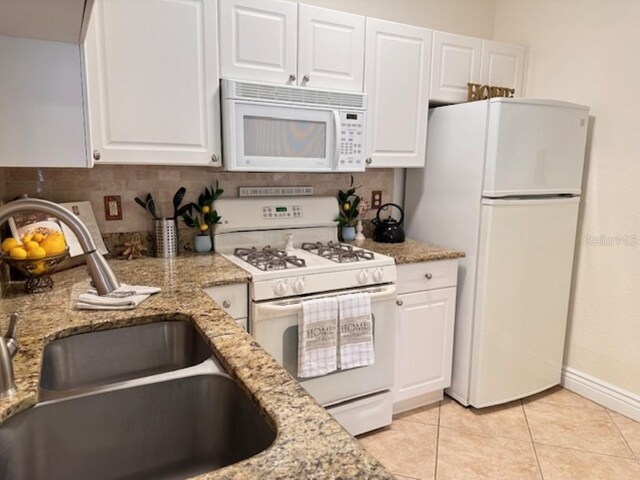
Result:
[337,125]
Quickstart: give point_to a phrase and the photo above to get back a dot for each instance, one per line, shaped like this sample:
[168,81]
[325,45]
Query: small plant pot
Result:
[348,234]
[202,243]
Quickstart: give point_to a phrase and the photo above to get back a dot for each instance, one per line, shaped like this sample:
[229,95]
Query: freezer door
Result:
[534,147]
[523,284]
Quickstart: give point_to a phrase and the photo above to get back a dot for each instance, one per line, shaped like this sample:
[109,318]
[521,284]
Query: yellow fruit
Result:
[37,252]
[18,253]
[31,245]
[38,237]
[204,227]
[205,209]
[53,244]
[27,238]
[9,243]
[39,267]
[346,207]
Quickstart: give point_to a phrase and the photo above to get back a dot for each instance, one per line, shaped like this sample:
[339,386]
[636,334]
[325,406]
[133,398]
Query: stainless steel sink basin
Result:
[90,360]
[165,430]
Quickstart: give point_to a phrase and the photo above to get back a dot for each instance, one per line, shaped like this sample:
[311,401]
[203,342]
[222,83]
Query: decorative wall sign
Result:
[475,92]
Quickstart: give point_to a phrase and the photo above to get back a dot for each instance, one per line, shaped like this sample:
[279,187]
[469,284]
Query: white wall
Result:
[588,51]
[468,17]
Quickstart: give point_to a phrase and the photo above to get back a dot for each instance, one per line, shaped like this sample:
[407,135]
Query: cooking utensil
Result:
[389,230]
[177,200]
[151,206]
[141,203]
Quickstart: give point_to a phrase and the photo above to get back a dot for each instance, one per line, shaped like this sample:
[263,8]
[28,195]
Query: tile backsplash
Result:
[70,185]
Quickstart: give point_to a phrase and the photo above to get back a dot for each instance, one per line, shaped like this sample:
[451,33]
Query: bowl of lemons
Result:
[37,256]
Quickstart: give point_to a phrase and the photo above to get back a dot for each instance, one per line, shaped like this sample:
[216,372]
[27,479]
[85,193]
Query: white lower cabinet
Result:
[424,333]
[233,299]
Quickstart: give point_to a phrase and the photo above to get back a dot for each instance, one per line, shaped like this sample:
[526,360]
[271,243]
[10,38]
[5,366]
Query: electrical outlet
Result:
[112,207]
[376,199]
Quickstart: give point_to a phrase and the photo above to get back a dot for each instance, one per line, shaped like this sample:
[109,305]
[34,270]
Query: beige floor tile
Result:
[561,396]
[405,448]
[579,428]
[565,464]
[427,415]
[630,430]
[467,456]
[502,421]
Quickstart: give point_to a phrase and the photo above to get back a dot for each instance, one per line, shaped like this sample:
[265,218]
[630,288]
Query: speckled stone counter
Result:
[309,443]
[411,251]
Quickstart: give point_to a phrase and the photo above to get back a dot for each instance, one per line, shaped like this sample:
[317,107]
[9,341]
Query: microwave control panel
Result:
[351,141]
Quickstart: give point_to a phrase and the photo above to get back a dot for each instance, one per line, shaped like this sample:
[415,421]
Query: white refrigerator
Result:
[502,182]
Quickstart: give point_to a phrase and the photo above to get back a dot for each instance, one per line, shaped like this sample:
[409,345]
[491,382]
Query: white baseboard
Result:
[607,395]
[417,402]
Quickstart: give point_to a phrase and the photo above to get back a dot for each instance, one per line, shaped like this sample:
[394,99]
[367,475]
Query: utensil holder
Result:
[166,238]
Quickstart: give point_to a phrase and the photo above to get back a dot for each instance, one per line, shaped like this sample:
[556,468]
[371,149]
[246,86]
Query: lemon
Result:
[38,237]
[206,209]
[39,267]
[18,253]
[27,238]
[37,252]
[9,243]
[31,245]
[204,227]
[346,207]
[53,244]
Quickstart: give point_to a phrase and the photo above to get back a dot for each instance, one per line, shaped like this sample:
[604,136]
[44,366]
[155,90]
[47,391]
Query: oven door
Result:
[274,324]
[267,137]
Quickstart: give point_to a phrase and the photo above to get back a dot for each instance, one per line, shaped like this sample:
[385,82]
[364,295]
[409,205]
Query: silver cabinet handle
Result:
[96,154]
[428,276]
[399,302]
[226,304]
[368,161]
[306,78]
[215,158]
[292,77]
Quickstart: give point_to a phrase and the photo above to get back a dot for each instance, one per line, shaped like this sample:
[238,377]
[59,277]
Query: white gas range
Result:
[290,247]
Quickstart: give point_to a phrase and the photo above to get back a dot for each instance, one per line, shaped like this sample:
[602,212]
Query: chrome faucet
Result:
[8,348]
[104,280]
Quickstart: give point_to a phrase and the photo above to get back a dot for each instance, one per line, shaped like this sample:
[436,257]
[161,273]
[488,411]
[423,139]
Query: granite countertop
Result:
[412,251]
[309,443]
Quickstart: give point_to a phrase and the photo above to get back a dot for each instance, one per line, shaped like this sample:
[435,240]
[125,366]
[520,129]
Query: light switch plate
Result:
[112,207]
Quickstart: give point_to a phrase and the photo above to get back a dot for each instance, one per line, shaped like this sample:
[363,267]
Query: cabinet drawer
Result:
[415,277]
[233,298]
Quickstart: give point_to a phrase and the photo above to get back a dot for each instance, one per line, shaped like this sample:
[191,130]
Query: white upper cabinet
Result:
[503,65]
[330,49]
[397,78]
[152,82]
[456,62]
[258,40]
[275,41]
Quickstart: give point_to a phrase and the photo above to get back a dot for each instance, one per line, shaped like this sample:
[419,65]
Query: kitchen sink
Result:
[90,360]
[170,429]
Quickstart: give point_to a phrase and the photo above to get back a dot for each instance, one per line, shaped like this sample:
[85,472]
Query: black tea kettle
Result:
[388,230]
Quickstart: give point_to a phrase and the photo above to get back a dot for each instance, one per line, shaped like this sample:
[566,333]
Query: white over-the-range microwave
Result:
[275,128]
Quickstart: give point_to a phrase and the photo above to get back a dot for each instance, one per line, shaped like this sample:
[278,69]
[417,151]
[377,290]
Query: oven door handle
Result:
[294,306]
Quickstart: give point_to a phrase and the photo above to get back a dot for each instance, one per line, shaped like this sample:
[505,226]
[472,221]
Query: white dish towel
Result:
[318,337]
[356,331]
[126,297]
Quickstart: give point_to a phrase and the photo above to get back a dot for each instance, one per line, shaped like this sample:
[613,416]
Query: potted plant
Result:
[202,216]
[348,203]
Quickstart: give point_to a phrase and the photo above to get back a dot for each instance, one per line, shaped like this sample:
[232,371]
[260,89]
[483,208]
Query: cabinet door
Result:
[397,77]
[503,66]
[456,62]
[330,49]
[258,40]
[424,342]
[152,82]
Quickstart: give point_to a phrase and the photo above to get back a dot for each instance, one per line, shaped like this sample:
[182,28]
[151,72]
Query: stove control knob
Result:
[280,288]
[299,285]
[377,275]
[362,277]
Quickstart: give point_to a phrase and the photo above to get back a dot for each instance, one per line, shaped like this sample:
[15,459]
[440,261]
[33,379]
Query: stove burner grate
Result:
[269,258]
[337,252]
